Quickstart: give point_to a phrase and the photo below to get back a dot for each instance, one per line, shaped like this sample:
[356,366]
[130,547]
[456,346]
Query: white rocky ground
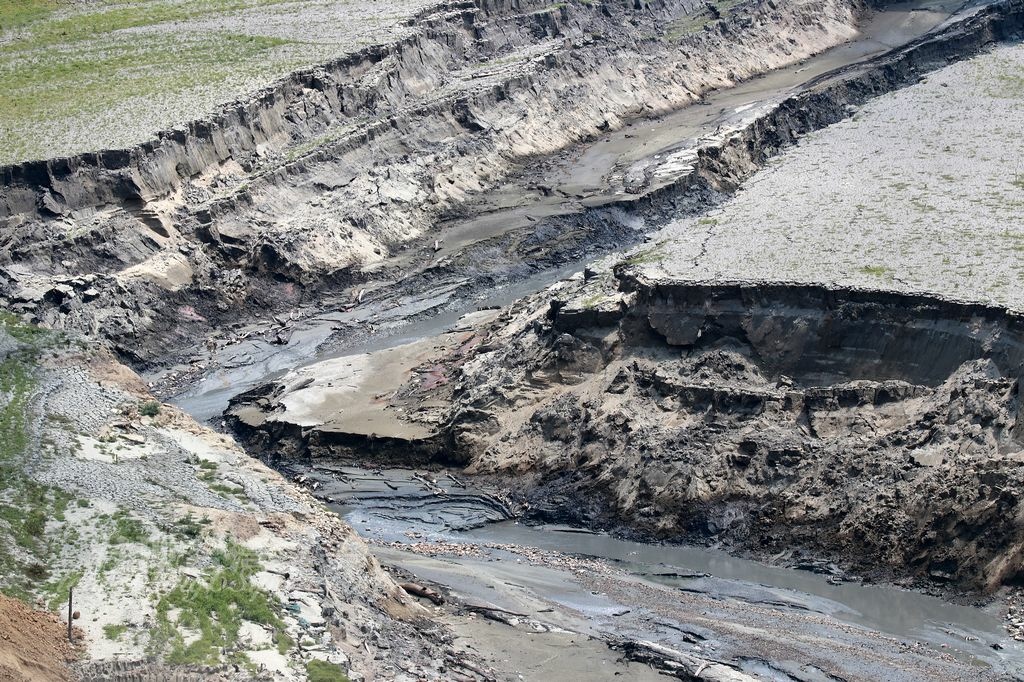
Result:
[168,523]
[921,190]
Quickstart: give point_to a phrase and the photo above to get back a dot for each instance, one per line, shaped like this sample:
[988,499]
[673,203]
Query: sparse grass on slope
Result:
[63,66]
[26,507]
[215,609]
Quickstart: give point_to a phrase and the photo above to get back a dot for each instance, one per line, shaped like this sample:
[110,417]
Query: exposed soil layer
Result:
[34,646]
[874,427]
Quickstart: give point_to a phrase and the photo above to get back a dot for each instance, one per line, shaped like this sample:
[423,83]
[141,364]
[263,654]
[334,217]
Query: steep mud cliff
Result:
[876,428]
[313,183]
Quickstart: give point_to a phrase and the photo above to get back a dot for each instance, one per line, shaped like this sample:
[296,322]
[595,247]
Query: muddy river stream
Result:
[449,532]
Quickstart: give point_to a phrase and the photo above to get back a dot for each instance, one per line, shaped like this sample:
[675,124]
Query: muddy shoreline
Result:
[438,528]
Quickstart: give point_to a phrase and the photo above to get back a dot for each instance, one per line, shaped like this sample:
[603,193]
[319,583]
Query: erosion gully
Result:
[770,622]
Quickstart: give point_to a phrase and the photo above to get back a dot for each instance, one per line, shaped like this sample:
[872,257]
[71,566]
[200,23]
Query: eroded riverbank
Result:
[777,419]
[531,231]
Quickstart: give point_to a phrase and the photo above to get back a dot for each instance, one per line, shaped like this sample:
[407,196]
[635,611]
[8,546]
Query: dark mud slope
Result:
[877,428]
[820,335]
[298,191]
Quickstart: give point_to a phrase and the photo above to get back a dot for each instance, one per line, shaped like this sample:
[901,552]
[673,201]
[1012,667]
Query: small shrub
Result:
[128,530]
[322,671]
[114,632]
[150,408]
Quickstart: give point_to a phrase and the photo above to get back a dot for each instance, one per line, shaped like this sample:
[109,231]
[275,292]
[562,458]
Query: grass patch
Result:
[91,23]
[592,301]
[17,13]
[647,256]
[215,608]
[92,70]
[57,591]
[113,632]
[150,408]
[128,530]
[16,383]
[322,671]
[877,271]
[26,507]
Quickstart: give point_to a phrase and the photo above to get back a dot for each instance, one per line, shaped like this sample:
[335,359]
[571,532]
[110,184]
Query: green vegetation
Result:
[15,383]
[150,408]
[114,632]
[91,77]
[322,671]
[65,60]
[652,255]
[127,530]
[17,13]
[877,271]
[57,591]
[46,30]
[215,608]
[26,507]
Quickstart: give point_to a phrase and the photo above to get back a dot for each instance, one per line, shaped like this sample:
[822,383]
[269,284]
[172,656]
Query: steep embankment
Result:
[331,170]
[186,556]
[876,428]
[879,428]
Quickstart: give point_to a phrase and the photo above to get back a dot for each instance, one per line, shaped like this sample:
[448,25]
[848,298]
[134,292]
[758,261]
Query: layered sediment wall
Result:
[819,334]
[879,429]
[337,168]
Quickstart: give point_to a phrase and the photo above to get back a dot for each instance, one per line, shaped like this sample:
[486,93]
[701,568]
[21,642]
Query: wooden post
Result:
[70,611]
